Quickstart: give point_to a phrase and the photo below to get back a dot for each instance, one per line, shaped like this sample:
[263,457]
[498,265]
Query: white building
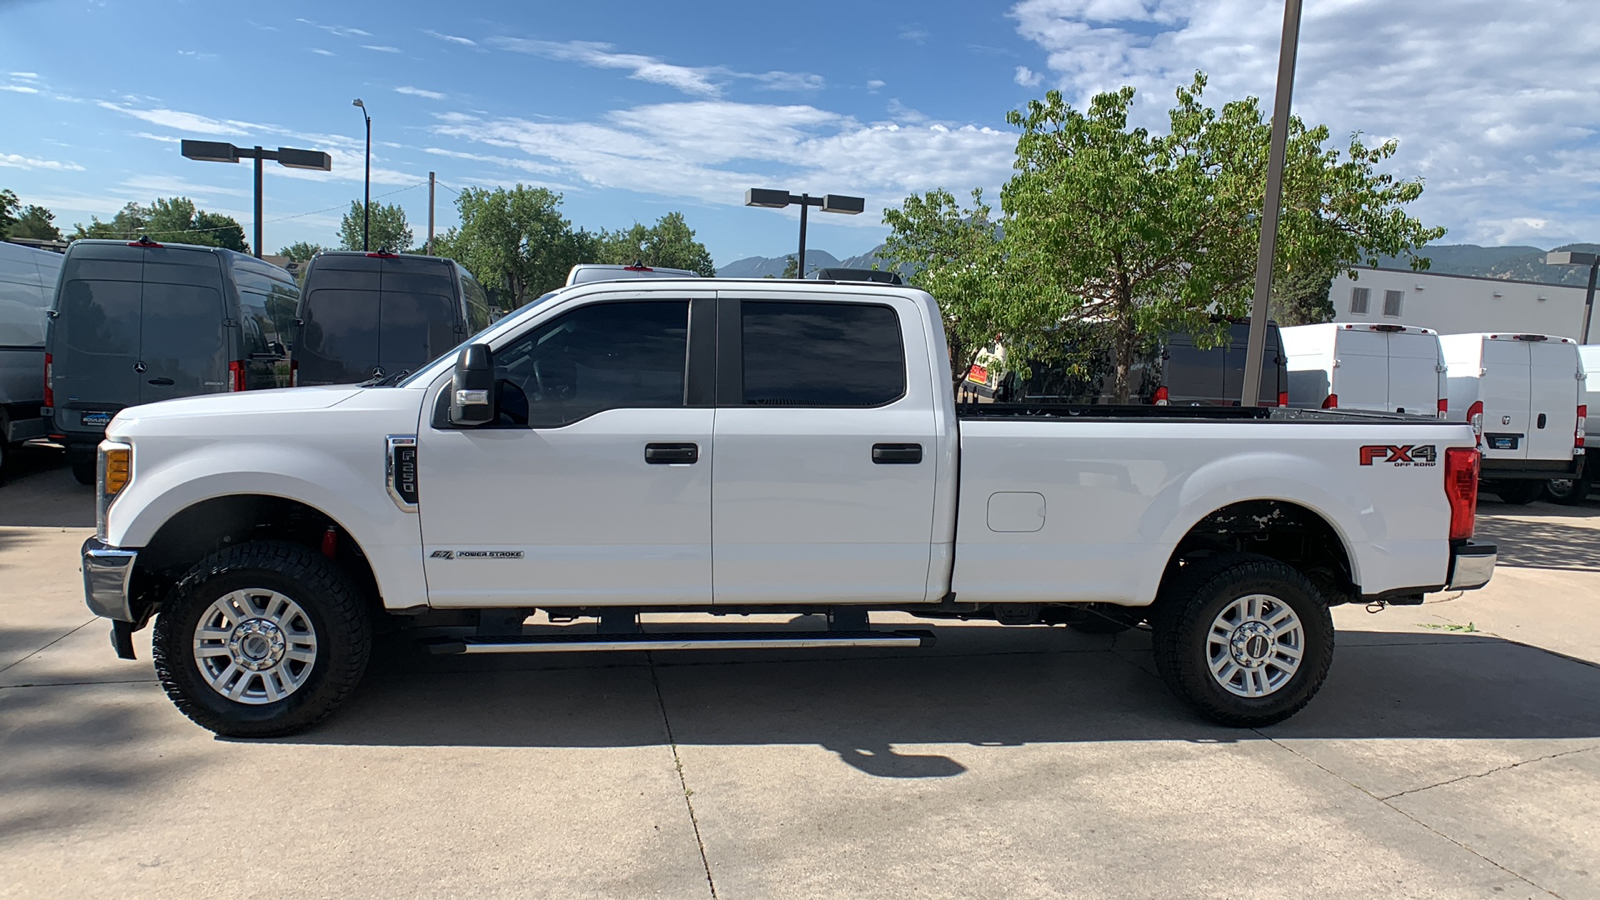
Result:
[1458,304]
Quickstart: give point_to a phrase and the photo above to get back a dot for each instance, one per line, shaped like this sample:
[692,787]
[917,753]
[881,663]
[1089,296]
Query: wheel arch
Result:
[1290,532]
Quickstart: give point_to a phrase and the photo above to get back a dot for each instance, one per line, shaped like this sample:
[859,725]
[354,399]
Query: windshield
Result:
[429,372]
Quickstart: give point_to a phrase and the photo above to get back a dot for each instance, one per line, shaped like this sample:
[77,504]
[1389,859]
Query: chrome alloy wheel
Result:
[255,646]
[1255,645]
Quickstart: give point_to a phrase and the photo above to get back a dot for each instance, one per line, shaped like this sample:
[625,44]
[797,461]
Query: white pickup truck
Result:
[718,447]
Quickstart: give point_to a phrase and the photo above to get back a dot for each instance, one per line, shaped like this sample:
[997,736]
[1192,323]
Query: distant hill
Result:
[1515,263]
[762,266]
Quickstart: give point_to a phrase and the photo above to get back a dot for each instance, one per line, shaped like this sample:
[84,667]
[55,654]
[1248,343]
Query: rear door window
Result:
[181,339]
[1192,375]
[101,317]
[414,330]
[340,337]
[820,354]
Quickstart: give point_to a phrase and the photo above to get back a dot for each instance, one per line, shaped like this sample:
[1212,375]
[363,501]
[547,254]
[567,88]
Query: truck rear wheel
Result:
[262,639]
[1569,491]
[1244,639]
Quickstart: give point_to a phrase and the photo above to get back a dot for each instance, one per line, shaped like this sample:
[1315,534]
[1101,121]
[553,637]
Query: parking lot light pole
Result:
[366,196]
[834,203]
[289,157]
[1575,258]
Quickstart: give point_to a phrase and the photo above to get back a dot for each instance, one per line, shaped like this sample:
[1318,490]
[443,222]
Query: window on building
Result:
[1391,303]
[1358,300]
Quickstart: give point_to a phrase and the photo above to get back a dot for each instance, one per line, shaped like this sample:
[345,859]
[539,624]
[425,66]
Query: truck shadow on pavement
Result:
[1529,542]
[1059,687]
[38,490]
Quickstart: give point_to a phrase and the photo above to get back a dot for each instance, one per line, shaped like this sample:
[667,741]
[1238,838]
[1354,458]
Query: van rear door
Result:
[183,347]
[1361,369]
[94,336]
[1553,398]
[421,315]
[1413,373]
[1504,391]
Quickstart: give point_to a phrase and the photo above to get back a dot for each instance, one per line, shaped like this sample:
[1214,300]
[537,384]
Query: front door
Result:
[594,489]
[825,442]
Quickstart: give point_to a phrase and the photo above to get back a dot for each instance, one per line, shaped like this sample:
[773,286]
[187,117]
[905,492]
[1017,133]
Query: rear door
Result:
[94,336]
[1553,399]
[1192,376]
[823,486]
[1505,390]
[338,337]
[1361,369]
[420,315]
[1232,362]
[1414,374]
[183,346]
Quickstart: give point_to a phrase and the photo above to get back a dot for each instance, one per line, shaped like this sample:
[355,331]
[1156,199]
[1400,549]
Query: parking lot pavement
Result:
[1451,754]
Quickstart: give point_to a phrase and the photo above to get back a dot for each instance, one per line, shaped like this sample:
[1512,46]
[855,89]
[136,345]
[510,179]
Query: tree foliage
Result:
[1142,233]
[37,223]
[669,243]
[301,251]
[957,255]
[1301,297]
[390,231]
[8,209]
[515,241]
[171,220]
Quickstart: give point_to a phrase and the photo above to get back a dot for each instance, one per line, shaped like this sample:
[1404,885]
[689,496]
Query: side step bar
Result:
[684,640]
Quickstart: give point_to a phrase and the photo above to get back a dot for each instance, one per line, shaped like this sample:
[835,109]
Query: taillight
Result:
[294,373]
[1475,419]
[1444,407]
[1577,436]
[236,376]
[49,376]
[1332,402]
[1161,397]
[1461,487]
[1283,398]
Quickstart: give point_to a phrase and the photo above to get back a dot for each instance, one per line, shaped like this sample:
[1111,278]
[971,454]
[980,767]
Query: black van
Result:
[371,315]
[1174,372]
[137,322]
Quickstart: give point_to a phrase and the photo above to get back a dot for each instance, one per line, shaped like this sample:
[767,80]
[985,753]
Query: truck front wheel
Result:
[262,639]
[1244,639]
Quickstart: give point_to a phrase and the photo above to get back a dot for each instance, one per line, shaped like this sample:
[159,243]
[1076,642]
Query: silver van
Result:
[367,316]
[139,322]
[27,282]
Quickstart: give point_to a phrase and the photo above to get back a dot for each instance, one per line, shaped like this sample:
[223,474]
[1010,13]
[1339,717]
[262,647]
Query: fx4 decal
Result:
[475,554]
[1408,455]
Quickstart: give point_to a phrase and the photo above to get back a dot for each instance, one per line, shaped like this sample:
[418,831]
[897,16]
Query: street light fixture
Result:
[1575,258]
[289,157]
[766,198]
[366,196]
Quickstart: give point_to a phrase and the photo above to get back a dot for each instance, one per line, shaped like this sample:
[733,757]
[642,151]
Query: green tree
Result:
[669,243]
[177,220]
[1301,297]
[515,241]
[129,223]
[1145,233]
[389,228]
[301,251]
[791,267]
[8,209]
[37,223]
[957,255]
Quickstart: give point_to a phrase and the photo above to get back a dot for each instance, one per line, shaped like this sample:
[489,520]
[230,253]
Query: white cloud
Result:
[454,39]
[418,92]
[381,48]
[1491,106]
[184,121]
[14,161]
[25,76]
[1028,77]
[337,30]
[19,88]
[874,85]
[157,137]
[700,81]
[173,186]
[321,52]
[916,34]
[662,150]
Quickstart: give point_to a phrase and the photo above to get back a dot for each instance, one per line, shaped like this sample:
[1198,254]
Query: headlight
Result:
[112,473]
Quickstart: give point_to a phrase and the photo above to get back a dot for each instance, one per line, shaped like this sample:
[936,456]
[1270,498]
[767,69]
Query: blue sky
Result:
[634,109]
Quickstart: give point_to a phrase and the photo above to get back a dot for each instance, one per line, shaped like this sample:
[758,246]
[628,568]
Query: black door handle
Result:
[671,454]
[897,454]
[162,381]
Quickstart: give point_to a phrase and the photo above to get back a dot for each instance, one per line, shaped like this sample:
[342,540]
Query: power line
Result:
[146,232]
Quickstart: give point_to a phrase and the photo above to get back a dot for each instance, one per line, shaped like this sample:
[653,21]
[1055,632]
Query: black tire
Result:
[1183,624]
[1519,493]
[328,598]
[1569,491]
[84,470]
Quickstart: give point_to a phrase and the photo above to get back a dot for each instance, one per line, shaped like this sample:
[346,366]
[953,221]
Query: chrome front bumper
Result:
[1471,565]
[107,572]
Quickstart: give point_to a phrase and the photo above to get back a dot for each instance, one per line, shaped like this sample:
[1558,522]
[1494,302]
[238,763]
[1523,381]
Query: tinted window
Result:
[414,329]
[821,354]
[181,322]
[101,316]
[1192,375]
[477,303]
[340,337]
[256,324]
[600,357]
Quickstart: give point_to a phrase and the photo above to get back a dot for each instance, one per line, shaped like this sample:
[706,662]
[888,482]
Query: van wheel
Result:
[1519,493]
[262,639]
[1569,491]
[84,470]
[1245,640]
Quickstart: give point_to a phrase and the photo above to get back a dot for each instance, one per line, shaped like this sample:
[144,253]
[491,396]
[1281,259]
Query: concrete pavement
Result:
[1437,761]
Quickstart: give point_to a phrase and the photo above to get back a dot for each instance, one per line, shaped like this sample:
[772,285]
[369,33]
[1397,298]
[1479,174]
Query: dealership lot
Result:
[1454,752]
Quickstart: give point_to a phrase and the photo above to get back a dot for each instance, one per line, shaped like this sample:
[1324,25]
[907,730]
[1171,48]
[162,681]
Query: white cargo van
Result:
[1572,491]
[1525,391]
[1383,368]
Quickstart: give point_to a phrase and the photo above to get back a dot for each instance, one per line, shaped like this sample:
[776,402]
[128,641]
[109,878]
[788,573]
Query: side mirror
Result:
[472,394]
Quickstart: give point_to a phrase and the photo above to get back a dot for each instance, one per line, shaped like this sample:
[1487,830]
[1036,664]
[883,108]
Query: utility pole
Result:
[260,157]
[430,214]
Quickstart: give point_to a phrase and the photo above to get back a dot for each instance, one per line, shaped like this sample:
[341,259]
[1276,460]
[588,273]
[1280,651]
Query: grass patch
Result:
[1468,628]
